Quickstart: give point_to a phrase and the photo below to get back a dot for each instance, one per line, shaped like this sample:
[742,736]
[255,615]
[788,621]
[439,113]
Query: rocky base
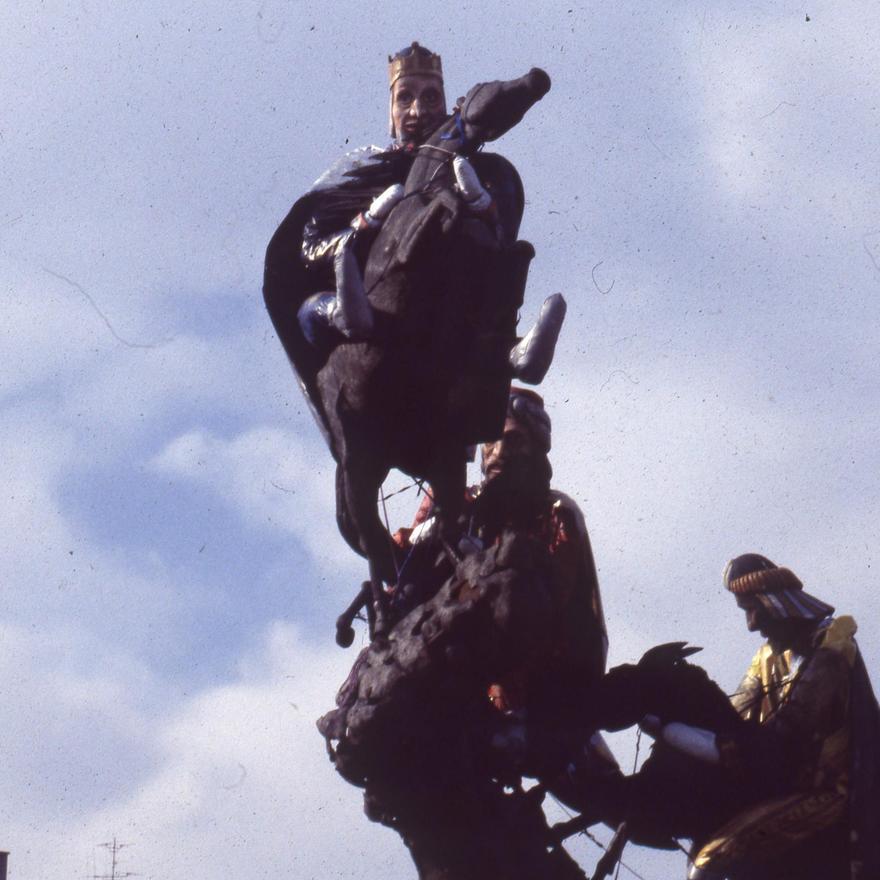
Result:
[414,728]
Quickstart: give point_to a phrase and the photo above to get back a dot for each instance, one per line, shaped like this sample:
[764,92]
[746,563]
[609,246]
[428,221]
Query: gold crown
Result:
[413,59]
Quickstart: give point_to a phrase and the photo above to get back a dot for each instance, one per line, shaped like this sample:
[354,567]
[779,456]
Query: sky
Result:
[702,184]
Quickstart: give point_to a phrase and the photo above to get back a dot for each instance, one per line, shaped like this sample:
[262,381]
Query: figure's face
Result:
[515,448]
[418,106]
[756,616]
[779,632]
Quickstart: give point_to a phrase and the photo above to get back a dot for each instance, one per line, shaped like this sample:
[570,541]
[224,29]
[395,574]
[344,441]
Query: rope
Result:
[594,839]
[404,489]
[635,767]
[439,150]
[766,689]
[388,532]
[437,170]
[421,487]
[684,849]
[448,154]
[459,132]
[620,862]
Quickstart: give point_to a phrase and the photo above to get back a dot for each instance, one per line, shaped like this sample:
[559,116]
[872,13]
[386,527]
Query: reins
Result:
[446,159]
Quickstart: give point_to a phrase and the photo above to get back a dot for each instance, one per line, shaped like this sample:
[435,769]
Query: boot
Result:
[531,357]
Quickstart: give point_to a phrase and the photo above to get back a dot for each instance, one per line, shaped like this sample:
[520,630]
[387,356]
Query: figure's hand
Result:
[693,741]
[380,207]
[473,192]
[652,725]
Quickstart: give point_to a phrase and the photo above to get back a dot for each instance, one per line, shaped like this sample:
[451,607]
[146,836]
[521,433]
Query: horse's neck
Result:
[702,699]
[433,163]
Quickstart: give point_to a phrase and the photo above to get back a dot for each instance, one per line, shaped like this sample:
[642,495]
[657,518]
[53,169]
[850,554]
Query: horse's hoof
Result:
[344,636]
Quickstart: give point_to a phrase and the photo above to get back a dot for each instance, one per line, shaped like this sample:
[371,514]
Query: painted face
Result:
[757,618]
[515,447]
[418,106]
[779,632]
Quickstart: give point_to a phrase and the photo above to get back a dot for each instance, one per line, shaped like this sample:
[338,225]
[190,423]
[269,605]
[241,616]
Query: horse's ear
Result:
[667,654]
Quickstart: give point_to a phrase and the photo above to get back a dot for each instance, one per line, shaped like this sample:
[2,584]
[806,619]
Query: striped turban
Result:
[778,590]
[527,408]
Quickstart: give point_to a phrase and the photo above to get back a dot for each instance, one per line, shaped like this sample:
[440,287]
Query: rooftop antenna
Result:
[115,874]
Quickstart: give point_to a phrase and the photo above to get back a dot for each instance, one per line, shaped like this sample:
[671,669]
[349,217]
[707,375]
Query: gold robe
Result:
[806,702]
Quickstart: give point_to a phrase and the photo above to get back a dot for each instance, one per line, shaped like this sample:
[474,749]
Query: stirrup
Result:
[531,357]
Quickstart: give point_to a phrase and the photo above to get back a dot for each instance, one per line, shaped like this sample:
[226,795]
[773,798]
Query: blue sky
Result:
[702,185]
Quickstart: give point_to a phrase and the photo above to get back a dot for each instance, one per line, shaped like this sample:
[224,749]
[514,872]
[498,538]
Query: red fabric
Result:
[425,510]
[558,529]
[512,693]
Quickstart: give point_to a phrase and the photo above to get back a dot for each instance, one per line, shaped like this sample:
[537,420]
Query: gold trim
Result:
[418,60]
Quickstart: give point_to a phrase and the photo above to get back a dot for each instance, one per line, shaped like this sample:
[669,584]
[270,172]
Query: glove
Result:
[381,206]
[651,725]
[689,740]
[474,193]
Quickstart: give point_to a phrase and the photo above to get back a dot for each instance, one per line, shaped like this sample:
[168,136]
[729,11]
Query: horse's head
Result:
[487,112]
[663,683]
[491,109]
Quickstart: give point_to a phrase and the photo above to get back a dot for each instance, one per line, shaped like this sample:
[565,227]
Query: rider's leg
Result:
[324,316]
[349,311]
[352,315]
[531,357]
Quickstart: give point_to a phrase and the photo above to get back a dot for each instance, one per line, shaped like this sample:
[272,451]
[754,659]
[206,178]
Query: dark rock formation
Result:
[414,728]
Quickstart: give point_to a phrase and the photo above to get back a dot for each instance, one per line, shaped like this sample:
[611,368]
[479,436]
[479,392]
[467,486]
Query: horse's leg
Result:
[344,628]
[348,529]
[531,357]
[344,521]
[377,609]
[448,478]
[361,488]
[353,314]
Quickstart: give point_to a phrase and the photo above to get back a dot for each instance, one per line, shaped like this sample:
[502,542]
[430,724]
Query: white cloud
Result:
[719,398]
[53,566]
[241,783]
[44,335]
[76,722]
[681,463]
[275,479]
[786,112]
[32,530]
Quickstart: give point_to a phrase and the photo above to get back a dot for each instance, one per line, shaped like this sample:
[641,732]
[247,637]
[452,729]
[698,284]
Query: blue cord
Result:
[459,132]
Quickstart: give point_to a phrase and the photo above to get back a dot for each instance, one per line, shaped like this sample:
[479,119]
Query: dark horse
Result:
[675,796]
[433,378]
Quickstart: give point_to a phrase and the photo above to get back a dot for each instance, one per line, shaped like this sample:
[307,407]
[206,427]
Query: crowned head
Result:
[418,103]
